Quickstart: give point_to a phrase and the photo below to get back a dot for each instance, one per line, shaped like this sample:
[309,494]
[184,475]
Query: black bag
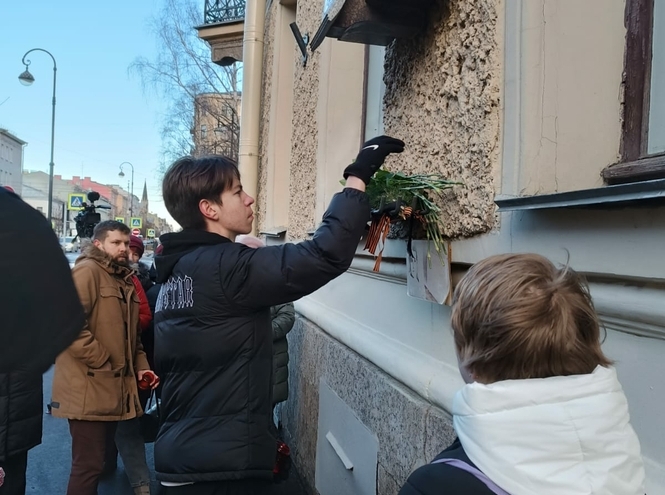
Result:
[149,422]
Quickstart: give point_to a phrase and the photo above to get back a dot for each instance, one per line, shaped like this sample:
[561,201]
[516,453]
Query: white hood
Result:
[566,435]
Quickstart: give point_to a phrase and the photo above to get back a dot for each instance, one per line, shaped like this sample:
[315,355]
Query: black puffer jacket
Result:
[40,311]
[20,412]
[213,340]
[40,315]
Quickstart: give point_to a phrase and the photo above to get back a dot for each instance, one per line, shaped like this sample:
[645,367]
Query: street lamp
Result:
[131,201]
[27,79]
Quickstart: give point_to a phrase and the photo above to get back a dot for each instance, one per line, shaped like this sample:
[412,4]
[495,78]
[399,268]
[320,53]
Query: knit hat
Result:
[136,243]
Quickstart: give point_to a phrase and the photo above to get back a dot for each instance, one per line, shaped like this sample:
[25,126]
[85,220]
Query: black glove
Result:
[391,209]
[372,156]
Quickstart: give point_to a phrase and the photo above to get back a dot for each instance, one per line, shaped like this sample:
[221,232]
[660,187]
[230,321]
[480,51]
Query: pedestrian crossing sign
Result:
[136,223]
[151,233]
[120,219]
[75,201]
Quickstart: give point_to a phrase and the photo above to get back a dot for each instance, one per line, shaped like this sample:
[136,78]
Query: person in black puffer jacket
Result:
[213,334]
[35,269]
[21,406]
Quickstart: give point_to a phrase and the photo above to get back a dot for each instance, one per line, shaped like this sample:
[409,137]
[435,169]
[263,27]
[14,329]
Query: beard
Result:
[121,260]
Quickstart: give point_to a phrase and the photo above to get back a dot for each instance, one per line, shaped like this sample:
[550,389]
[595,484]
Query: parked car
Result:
[69,245]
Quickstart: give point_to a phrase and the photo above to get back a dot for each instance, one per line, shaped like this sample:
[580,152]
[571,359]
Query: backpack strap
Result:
[475,472]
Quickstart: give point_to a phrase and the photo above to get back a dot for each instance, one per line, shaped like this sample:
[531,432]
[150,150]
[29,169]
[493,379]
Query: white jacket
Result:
[565,435]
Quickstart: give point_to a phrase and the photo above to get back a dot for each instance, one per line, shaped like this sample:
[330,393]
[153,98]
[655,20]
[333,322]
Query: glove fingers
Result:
[394,148]
[385,141]
[394,142]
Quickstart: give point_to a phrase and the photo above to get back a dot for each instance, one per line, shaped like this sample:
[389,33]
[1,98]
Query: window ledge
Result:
[274,232]
[601,197]
[649,168]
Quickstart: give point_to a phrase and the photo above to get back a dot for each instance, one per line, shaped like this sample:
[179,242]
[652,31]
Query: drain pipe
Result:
[250,107]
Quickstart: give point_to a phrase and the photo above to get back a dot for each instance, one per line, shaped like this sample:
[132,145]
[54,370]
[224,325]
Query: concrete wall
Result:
[512,97]
[569,63]
[276,117]
[410,431]
[442,97]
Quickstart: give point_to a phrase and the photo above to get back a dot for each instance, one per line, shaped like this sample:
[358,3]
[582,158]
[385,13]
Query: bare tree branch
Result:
[183,74]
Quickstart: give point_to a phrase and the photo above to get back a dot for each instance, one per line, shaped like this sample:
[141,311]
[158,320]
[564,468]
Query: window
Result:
[643,140]
[656,140]
[204,132]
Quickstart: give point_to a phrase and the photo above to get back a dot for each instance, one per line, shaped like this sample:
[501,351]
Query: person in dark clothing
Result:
[136,249]
[36,275]
[213,334]
[148,335]
[282,316]
[441,479]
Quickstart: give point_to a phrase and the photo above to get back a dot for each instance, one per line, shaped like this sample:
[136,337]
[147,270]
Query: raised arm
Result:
[278,274]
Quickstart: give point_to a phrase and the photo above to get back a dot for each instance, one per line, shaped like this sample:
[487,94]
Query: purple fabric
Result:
[474,472]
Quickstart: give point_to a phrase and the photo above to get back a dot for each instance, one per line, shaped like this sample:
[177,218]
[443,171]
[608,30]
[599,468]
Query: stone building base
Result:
[410,431]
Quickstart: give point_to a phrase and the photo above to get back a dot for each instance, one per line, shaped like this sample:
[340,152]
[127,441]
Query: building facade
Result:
[217,124]
[39,201]
[546,113]
[11,160]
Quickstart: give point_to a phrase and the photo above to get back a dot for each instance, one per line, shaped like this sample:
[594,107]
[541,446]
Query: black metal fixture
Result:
[217,11]
[26,78]
[372,22]
[301,40]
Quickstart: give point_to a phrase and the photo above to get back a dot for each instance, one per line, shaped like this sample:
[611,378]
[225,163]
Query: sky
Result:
[103,117]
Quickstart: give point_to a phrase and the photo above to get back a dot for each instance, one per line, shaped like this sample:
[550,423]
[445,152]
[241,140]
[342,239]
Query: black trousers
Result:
[240,487]
[14,468]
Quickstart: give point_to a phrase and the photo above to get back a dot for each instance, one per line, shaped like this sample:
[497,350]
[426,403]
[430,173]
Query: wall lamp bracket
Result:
[301,40]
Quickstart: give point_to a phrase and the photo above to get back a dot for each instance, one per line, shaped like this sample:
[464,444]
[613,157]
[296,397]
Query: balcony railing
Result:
[224,11]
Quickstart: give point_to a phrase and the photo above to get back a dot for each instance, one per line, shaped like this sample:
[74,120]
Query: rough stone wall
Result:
[410,431]
[264,128]
[442,98]
[302,205]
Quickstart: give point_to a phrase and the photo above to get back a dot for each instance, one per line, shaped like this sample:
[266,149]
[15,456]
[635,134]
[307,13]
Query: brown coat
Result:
[80,389]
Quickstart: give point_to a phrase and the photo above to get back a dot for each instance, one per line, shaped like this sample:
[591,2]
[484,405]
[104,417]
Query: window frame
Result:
[636,164]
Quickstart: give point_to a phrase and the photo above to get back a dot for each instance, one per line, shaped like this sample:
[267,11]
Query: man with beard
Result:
[95,381]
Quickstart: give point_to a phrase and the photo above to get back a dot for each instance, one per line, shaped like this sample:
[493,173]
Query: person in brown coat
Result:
[95,380]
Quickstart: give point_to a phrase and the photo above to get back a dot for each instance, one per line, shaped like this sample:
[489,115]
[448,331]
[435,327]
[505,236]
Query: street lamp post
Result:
[27,79]
[131,199]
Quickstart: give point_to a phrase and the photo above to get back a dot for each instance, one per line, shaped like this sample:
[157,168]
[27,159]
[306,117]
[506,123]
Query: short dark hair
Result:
[102,229]
[189,180]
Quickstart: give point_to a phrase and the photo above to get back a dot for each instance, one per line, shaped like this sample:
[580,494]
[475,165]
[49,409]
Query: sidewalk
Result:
[49,463]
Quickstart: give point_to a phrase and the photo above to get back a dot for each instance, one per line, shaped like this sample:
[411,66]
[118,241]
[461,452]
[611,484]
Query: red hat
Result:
[10,189]
[136,243]
[159,249]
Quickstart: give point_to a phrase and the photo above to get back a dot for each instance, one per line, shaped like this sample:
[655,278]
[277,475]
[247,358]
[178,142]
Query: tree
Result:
[203,109]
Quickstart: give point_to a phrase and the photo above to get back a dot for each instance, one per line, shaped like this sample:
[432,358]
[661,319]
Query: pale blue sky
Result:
[103,117]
